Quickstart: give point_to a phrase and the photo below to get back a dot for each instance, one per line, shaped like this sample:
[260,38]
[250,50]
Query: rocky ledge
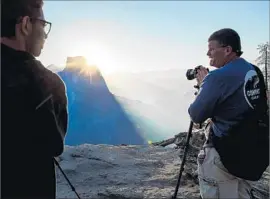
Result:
[129,172]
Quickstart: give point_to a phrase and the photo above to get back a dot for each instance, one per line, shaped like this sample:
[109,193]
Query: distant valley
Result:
[126,108]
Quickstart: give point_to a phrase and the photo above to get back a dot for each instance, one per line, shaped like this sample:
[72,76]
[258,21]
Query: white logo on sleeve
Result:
[251,88]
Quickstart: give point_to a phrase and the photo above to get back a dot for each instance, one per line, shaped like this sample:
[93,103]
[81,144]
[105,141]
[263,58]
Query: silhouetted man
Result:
[33,108]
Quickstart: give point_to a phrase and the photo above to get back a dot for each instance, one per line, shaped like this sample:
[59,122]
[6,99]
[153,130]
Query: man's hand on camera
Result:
[201,73]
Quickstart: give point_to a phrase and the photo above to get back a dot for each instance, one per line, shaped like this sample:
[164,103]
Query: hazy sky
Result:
[144,35]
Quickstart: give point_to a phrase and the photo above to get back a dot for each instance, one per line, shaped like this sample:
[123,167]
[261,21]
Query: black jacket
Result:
[33,125]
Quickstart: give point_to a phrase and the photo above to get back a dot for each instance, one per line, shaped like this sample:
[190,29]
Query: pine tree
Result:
[263,61]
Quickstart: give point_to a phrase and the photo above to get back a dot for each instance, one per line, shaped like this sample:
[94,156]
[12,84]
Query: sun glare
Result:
[96,55]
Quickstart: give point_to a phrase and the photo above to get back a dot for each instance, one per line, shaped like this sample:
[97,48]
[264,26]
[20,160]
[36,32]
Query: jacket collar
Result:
[12,54]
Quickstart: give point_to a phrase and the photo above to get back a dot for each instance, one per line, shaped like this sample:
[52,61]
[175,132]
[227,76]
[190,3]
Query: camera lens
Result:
[191,74]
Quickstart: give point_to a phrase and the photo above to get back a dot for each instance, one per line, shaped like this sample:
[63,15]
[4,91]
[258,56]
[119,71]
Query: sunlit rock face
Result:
[95,116]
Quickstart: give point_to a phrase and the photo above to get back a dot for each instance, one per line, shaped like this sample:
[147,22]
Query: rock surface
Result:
[107,171]
[104,171]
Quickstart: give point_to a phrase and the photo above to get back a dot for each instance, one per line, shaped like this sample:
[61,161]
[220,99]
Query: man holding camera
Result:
[34,105]
[234,97]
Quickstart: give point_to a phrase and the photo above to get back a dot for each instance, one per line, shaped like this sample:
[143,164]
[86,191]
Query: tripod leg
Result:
[184,160]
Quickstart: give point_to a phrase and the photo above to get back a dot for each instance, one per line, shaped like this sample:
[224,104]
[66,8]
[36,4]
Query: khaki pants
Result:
[216,182]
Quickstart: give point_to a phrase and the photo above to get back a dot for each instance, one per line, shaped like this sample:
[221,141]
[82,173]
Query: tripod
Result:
[72,187]
[185,151]
[184,159]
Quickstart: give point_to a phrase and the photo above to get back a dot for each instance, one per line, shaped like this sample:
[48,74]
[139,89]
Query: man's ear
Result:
[26,26]
[228,50]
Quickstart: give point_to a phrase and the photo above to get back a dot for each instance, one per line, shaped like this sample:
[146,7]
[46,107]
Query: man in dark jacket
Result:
[34,105]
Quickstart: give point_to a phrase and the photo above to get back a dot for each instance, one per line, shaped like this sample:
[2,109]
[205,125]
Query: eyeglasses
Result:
[219,47]
[47,25]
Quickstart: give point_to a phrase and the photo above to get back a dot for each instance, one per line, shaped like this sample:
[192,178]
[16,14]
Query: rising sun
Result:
[96,55]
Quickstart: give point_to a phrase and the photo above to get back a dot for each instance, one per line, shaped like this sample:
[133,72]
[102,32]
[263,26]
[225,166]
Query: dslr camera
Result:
[191,73]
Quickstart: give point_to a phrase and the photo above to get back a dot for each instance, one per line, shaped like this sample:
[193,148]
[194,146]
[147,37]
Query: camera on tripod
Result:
[191,73]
